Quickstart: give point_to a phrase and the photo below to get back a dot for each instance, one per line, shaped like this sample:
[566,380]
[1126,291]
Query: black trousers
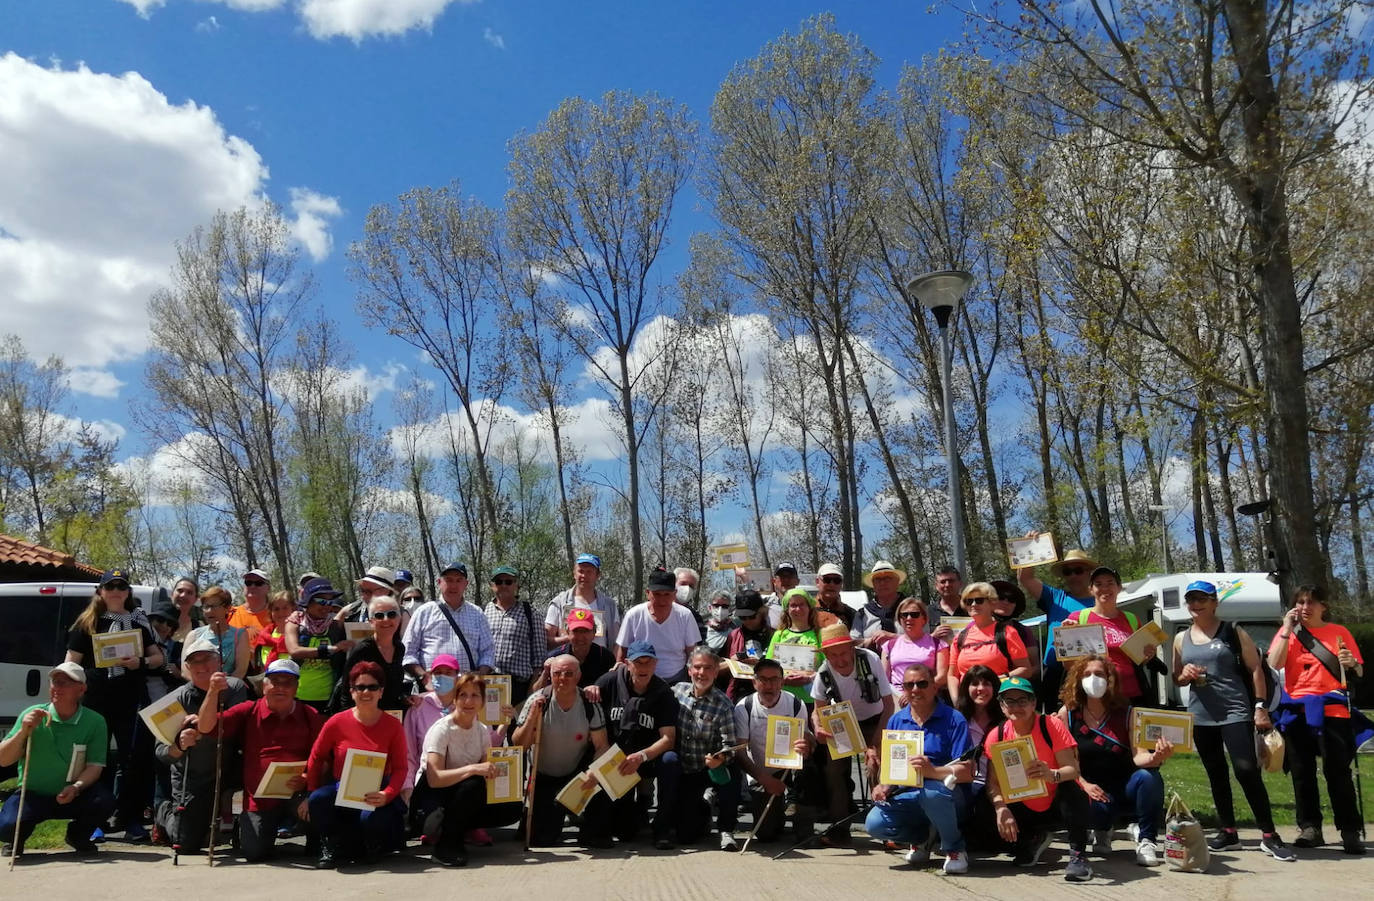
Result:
[1213,744]
[550,816]
[1070,809]
[1336,745]
[465,808]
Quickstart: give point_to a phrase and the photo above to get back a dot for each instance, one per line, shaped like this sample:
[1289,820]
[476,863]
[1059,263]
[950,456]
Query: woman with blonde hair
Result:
[985,641]
[914,644]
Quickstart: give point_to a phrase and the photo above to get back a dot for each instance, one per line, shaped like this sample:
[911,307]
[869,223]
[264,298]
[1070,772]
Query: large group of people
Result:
[369,725]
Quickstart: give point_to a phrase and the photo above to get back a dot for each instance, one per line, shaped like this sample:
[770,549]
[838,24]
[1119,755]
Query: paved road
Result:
[505,871]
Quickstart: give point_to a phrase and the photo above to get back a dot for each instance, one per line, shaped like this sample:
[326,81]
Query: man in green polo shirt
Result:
[62,778]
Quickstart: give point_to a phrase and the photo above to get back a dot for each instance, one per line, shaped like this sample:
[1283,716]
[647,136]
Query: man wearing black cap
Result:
[664,623]
[449,626]
[749,641]
[785,578]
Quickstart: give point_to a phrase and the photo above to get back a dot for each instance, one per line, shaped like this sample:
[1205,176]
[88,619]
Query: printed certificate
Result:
[1072,642]
[498,696]
[796,658]
[1023,553]
[278,773]
[606,769]
[1147,636]
[956,624]
[576,796]
[362,774]
[900,747]
[506,786]
[1148,726]
[109,648]
[78,763]
[739,669]
[164,717]
[1009,760]
[778,752]
[358,631]
[839,720]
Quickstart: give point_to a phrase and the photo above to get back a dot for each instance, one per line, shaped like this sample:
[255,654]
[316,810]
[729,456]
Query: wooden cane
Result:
[534,771]
[19,814]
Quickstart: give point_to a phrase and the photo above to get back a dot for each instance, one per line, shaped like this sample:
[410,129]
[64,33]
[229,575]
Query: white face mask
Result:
[684,594]
[1094,686]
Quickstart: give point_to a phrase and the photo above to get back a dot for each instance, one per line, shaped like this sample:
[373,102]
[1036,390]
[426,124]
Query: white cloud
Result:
[311,224]
[95,382]
[145,7]
[587,427]
[102,176]
[168,467]
[358,19]
[491,37]
[207,26]
[375,383]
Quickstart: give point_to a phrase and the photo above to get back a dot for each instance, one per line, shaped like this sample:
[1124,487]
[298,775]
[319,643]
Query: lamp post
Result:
[1163,534]
[941,292]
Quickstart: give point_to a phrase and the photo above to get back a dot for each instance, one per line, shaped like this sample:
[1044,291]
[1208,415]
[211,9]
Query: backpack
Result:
[867,681]
[1040,721]
[999,635]
[1229,634]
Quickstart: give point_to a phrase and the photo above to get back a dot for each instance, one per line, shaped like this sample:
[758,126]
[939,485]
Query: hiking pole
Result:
[534,774]
[1355,749]
[772,799]
[214,799]
[181,809]
[23,793]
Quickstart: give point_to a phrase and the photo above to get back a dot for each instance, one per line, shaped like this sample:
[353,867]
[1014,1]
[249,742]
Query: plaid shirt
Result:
[521,644]
[704,725]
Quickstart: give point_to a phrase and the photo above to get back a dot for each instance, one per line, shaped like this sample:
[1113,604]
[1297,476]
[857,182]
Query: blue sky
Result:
[125,123]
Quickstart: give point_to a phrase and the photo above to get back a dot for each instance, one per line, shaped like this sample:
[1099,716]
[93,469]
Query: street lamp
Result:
[1161,509]
[941,292]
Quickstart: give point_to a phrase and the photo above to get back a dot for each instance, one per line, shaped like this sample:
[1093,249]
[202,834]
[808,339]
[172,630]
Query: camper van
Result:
[33,639]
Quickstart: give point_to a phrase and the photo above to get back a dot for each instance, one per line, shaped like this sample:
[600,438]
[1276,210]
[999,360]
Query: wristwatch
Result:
[78,785]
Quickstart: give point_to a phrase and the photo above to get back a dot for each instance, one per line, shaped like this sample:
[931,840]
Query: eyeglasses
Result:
[911,614]
[254,583]
[922,684]
[211,606]
[385,614]
[830,580]
[503,581]
[118,586]
[1197,601]
[979,599]
[1020,701]
[1075,570]
[366,686]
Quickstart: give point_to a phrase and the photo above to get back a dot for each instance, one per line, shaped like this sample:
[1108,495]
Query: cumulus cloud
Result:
[491,37]
[310,225]
[95,382]
[587,427]
[358,19]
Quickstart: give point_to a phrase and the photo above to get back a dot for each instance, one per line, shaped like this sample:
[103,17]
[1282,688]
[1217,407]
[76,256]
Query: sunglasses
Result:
[979,599]
[118,586]
[922,684]
[1075,570]
[503,581]
[255,583]
[386,614]
[829,580]
[911,614]
[366,686]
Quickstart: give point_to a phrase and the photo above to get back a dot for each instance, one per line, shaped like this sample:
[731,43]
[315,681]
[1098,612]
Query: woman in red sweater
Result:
[347,833]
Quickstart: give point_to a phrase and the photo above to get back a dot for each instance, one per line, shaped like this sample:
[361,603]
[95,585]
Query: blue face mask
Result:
[442,684]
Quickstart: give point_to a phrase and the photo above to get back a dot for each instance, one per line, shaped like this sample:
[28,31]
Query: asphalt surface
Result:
[638,872]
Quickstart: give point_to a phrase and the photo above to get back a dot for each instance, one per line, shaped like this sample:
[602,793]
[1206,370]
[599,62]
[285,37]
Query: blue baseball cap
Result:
[639,649]
[320,591]
[454,568]
[1200,587]
[116,575]
[403,575]
[593,559]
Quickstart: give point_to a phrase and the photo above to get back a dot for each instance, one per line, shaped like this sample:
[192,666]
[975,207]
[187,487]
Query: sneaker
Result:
[1133,830]
[1351,843]
[7,851]
[1034,848]
[98,836]
[136,835]
[918,855]
[1272,845]
[727,842]
[479,837]
[837,838]
[1225,840]
[1078,869]
[956,862]
[1309,837]
[1102,842]
[84,849]
[1146,853]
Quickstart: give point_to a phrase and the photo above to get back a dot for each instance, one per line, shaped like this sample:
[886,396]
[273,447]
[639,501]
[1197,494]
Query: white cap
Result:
[70,670]
[203,643]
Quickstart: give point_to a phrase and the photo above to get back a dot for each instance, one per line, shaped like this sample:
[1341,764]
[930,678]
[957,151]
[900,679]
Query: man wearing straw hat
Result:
[874,623]
[1075,569]
[60,748]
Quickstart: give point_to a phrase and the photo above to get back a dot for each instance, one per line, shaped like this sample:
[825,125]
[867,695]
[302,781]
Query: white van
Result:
[34,619]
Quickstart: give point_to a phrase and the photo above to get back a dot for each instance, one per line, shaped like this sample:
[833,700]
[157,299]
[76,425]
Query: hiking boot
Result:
[956,862]
[1102,842]
[327,859]
[1029,854]
[1224,840]
[1272,845]
[1351,843]
[1309,837]
[1147,853]
[1078,869]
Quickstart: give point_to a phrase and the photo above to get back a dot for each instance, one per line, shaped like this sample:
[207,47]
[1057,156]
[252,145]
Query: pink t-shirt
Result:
[1116,631]
[903,652]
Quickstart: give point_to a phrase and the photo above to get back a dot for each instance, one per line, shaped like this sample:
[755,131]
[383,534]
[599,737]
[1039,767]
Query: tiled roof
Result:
[16,552]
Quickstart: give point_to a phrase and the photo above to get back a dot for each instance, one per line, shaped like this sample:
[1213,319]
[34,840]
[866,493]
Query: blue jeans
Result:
[907,817]
[358,832]
[1143,798]
[86,811]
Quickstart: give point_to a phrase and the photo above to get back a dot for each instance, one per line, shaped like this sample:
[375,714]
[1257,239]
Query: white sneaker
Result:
[956,862]
[918,855]
[727,842]
[1133,830]
[1102,842]
[1146,853]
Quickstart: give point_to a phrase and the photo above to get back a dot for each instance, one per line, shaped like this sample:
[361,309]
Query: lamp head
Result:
[941,292]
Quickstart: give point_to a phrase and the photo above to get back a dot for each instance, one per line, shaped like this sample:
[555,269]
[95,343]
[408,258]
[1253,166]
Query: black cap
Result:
[662,580]
[747,603]
[1105,571]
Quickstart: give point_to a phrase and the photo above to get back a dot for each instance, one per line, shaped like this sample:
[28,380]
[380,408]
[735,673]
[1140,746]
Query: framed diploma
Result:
[164,717]
[606,769]
[1023,553]
[1009,760]
[362,774]
[498,696]
[778,752]
[900,747]
[576,795]
[1072,642]
[796,658]
[845,738]
[1148,726]
[507,785]
[109,648]
[275,777]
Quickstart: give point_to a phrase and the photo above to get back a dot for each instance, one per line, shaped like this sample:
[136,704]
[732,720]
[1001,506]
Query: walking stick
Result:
[181,810]
[19,814]
[1355,755]
[214,799]
[530,782]
[772,799]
